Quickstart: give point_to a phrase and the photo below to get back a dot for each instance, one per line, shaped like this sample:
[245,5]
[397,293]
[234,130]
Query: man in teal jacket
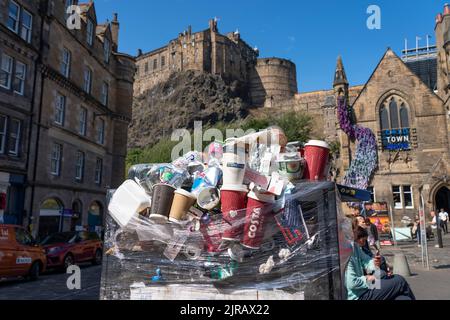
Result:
[363,279]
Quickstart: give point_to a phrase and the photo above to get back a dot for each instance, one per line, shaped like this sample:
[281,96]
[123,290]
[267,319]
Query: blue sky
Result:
[310,33]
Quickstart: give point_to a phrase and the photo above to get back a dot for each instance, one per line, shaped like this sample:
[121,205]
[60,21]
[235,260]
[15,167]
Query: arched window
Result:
[393,117]
[404,117]
[393,113]
[384,117]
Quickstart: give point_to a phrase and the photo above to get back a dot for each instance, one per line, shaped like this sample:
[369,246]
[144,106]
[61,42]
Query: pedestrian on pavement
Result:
[360,276]
[373,239]
[443,215]
[436,227]
[416,230]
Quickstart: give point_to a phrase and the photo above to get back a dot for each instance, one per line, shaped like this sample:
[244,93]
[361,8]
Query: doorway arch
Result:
[50,213]
[442,199]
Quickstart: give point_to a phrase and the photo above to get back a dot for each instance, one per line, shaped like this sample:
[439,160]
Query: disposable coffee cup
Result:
[208,198]
[162,199]
[182,202]
[259,207]
[316,156]
[233,206]
[292,169]
[233,169]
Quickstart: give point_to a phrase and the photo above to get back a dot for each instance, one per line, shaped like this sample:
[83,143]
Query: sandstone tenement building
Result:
[67,114]
[264,80]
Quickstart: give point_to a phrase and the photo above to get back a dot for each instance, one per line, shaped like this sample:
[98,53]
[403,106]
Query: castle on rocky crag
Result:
[265,80]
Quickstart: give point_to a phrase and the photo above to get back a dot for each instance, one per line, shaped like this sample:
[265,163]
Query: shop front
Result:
[12,194]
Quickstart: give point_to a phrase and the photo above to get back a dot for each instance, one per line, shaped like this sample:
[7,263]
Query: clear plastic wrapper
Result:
[291,248]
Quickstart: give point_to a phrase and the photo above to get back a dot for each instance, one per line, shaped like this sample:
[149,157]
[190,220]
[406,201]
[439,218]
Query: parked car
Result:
[20,254]
[66,248]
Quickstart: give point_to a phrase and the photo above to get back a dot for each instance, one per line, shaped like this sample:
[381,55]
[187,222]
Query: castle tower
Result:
[340,83]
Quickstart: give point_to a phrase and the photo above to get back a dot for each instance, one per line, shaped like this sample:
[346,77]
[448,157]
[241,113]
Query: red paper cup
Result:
[234,200]
[259,207]
[212,234]
[316,155]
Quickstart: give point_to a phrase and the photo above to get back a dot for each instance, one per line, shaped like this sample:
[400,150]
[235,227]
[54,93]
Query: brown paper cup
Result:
[182,202]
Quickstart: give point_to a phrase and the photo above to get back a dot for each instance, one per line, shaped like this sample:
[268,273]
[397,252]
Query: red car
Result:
[67,248]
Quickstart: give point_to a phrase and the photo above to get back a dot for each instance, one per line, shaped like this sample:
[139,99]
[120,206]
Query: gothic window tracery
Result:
[394,114]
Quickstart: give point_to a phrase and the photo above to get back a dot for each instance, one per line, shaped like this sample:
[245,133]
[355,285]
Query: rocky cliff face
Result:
[184,98]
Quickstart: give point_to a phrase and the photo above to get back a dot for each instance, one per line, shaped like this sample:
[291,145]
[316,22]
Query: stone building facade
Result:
[226,55]
[80,110]
[406,103]
[19,50]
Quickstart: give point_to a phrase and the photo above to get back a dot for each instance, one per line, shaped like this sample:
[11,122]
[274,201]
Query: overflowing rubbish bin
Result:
[252,218]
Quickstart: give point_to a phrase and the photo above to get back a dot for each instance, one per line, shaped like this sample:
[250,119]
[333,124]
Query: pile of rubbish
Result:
[247,212]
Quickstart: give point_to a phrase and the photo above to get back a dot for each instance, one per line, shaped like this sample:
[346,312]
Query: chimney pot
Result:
[439,18]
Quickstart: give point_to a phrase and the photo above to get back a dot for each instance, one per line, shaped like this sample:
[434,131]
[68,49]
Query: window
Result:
[101,131]
[163,61]
[404,118]
[83,121]
[79,166]
[60,109]
[15,21]
[107,49]
[3,123]
[146,67]
[403,197]
[56,159]
[155,64]
[27,26]
[6,71]
[19,79]
[105,93]
[90,32]
[407,196]
[98,171]
[13,16]
[392,116]
[396,192]
[14,137]
[65,63]
[87,80]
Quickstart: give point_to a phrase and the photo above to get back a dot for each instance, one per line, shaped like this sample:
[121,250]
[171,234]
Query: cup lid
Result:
[263,197]
[234,187]
[185,193]
[318,143]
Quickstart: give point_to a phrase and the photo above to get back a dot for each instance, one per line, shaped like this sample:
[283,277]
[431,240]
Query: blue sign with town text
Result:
[398,139]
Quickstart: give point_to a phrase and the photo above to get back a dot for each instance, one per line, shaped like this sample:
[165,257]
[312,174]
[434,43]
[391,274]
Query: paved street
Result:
[426,284]
[52,286]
